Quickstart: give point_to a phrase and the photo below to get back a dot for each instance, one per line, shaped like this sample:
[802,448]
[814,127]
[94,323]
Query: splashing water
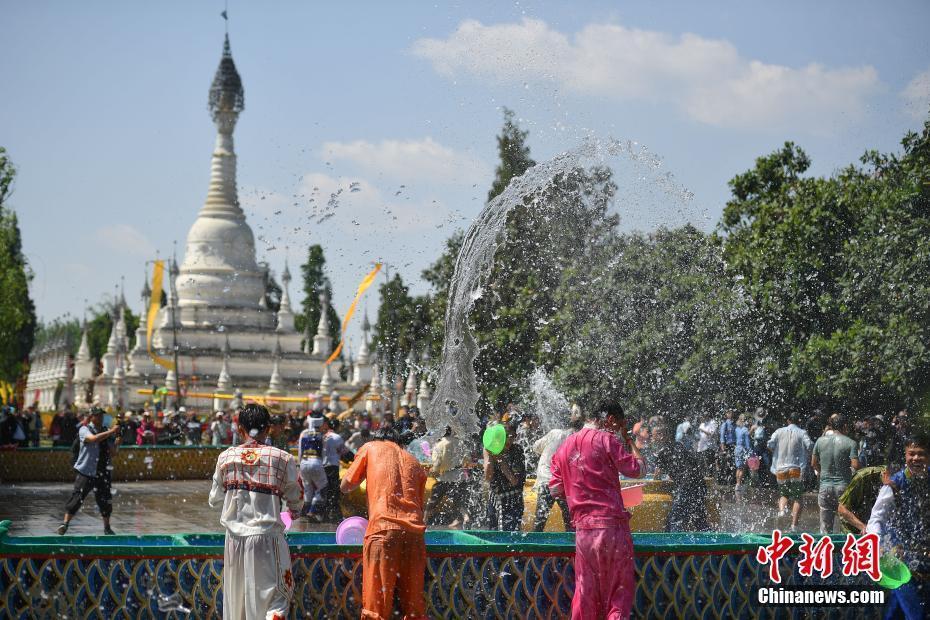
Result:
[546,402]
[456,393]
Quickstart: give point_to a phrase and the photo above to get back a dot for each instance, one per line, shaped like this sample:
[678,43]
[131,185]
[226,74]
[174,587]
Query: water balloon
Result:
[494,438]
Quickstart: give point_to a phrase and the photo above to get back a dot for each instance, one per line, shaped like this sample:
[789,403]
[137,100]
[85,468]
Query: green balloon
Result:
[494,438]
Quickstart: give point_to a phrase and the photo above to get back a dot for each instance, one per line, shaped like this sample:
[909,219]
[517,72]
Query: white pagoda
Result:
[226,338]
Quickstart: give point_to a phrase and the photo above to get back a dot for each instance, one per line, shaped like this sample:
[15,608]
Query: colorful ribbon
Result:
[369,279]
[154,306]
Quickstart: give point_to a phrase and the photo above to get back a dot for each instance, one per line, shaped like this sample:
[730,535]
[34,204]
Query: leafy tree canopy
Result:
[838,271]
[315,281]
[17,312]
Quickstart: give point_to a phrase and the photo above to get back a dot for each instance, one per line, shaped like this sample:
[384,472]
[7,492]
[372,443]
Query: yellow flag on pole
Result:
[158,274]
[369,279]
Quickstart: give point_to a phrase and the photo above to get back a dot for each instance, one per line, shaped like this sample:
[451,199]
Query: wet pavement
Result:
[180,506]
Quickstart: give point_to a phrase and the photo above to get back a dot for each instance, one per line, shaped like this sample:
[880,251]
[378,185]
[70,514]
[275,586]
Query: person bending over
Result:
[394,548]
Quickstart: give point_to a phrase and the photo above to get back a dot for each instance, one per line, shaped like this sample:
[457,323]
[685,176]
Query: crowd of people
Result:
[21,427]
[871,475]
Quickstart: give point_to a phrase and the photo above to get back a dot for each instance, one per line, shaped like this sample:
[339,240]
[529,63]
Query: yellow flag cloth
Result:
[369,279]
[154,306]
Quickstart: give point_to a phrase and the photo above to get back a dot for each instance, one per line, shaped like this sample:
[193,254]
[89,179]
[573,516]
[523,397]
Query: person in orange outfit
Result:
[394,551]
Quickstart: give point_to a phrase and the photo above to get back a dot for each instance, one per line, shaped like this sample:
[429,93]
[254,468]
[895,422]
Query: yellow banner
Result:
[154,306]
[369,279]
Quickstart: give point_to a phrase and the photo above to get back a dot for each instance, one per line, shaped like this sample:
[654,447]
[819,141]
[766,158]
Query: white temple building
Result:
[215,315]
[215,320]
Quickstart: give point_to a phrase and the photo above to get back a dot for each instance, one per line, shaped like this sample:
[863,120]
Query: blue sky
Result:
[103,110]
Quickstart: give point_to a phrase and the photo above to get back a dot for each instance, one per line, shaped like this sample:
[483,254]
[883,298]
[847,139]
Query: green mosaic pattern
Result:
[470,575]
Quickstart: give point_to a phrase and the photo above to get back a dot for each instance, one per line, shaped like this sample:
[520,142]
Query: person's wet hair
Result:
[606,409]
[576,422]
[254,418]
[386,433]
[918,440]
[838,422]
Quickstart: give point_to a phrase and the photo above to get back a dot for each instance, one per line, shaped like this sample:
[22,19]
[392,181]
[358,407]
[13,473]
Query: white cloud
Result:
[707,79]
[126,239]
[916,95]
[409,160]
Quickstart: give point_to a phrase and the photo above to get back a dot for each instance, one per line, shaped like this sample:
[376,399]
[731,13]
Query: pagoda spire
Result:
[142,330]
[275,383]
[323,342]
[83,354]
[285,314]
[363,350]
[226,102]
[219,270]
[224,381]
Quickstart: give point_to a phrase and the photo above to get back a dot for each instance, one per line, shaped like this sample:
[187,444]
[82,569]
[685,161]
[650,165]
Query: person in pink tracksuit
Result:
[586,471]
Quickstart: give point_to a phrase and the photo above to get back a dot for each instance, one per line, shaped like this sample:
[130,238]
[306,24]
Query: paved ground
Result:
[180,506]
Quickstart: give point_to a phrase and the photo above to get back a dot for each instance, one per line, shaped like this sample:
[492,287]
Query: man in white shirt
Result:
[546,447]
[684,434]
[250,481]
[791,452]
[707,439]
[447,457]
[219,429]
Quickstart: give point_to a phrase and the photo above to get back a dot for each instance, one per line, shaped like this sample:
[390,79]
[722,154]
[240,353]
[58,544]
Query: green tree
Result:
[514,155]
[66,327]
[403,324]
[658,325]
[100,325]
[17,312]
[314,283]
[837,269]
[272,290]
